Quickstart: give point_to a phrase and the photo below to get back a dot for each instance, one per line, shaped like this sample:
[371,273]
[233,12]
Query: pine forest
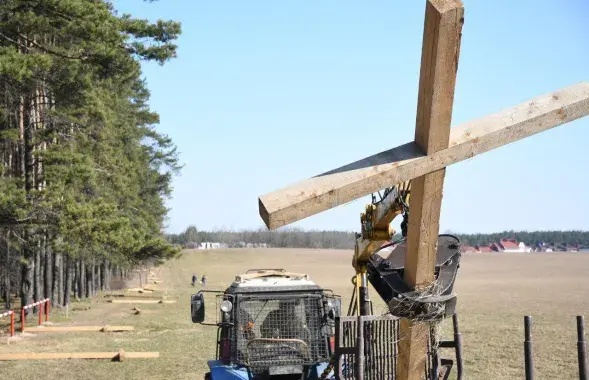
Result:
[84,173]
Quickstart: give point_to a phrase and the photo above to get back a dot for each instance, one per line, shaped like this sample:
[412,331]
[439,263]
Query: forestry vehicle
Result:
[271,324]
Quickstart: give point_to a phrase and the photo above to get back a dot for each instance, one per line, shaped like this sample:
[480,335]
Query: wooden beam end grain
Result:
[444,6]
[264,214]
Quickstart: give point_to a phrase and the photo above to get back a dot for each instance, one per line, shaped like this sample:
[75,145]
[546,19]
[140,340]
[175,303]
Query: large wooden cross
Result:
[424,160]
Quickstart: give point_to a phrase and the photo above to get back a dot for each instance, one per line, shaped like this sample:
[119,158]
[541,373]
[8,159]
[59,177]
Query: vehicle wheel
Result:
[207,376]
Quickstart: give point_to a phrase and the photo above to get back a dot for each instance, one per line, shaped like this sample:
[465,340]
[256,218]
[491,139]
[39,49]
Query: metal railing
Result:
[366,348]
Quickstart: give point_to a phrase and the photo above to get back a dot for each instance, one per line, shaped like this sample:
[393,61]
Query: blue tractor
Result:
[271,324]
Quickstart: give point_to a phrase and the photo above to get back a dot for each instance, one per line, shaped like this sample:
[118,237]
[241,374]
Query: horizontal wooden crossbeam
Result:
[408,161]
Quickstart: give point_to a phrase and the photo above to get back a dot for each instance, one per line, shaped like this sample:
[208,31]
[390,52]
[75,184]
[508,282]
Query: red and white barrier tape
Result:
[9,313]
[35,304]
[6,314]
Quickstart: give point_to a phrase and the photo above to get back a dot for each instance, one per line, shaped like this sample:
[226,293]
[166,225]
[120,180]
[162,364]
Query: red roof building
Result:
[495,247]
[509,244]
[482,248]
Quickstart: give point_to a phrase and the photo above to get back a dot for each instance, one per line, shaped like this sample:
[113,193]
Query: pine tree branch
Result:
[49,51]
[42,48]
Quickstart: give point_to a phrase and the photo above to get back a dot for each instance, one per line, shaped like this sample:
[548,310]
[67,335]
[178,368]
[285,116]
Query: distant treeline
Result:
[529,238]
[291,238]
[298,238]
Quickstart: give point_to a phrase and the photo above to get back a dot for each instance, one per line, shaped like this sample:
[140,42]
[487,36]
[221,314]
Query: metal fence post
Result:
[528,353]
[360,349]
[458,347]
[582,348]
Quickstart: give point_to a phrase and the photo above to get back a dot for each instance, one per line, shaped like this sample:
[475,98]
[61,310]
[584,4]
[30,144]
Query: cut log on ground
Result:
[116,356]
[83,328]
[137,296]
[142,301]
[140,290]
[81,308]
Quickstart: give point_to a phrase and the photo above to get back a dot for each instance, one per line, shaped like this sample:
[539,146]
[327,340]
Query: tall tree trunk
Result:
[76,287]
[94,278]
[82,280]
[61,283]
[7,273]
[104,275]
[48,267]
[27,271]
[28,262]
[21,142]
[107,275]
[37,273]
[88,280]
[99,286]
[68,281]
[57,286]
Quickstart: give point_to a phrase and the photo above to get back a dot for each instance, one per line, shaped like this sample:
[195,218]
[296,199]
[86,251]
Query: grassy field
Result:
[495,292]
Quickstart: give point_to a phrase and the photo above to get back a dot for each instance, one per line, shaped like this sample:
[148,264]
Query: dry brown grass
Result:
[495,292]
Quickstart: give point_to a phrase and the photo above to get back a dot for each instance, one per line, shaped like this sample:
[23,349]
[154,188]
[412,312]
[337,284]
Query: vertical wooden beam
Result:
[439,64]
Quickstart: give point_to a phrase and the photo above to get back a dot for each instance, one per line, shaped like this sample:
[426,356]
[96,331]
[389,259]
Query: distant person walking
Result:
[194,279]
[203,280]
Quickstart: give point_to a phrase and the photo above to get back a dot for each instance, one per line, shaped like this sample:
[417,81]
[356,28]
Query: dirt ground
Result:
[495,292]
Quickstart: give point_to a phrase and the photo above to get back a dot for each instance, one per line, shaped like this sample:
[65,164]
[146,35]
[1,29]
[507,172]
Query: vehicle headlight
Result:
[331,303]
[226,306]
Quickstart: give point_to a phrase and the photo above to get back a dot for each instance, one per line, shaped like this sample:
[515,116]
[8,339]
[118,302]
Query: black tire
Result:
[207,376]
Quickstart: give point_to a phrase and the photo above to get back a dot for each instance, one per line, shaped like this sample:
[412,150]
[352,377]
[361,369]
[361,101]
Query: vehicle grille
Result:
[279,331]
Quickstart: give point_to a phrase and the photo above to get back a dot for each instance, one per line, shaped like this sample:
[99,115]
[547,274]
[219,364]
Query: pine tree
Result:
[84,173]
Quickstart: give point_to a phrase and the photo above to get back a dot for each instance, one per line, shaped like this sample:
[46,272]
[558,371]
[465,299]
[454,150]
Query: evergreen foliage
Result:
[84,173]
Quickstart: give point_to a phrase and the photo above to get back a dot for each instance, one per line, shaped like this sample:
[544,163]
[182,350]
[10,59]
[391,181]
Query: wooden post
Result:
[12,323]
[439,64]
[47,306]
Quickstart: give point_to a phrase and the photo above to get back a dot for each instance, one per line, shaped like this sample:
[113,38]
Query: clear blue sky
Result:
[266,93]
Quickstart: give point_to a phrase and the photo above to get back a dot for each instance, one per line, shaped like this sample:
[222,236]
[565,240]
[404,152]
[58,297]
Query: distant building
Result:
[210,245]
[495,247]
[511,245]
[483,248]
[504,245]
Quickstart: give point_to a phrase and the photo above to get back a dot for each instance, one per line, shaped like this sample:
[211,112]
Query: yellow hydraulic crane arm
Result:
[376,221]
[376,231]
